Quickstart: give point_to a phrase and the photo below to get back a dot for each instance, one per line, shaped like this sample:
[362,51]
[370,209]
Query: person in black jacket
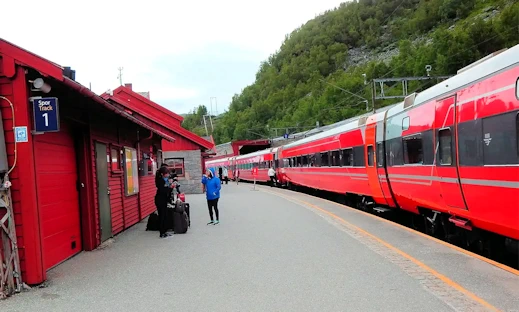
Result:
[164,189]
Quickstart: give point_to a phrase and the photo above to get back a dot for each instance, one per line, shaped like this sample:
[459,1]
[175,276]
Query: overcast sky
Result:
[183,52]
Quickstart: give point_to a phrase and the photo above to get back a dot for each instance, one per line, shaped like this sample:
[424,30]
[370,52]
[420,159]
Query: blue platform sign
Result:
[21,135]
[46,114]
[285,135]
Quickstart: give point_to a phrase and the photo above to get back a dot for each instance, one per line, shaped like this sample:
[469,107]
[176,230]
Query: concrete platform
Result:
[274,250]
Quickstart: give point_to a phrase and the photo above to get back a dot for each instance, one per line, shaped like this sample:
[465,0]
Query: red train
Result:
[449,155]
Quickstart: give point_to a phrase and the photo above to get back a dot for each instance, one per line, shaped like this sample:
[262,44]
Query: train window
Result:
[517,130]
[405,123]
[336,159]
[380,154]
[347,157]
[358,156]
[305,161]
[470,143]
[499,143]
[325,161]
[517,89]
[312,161]
[413,151]
[394,152]
[371,156]
[445,146]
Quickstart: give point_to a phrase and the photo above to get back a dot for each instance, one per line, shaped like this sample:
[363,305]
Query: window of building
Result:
[371,156]
[131,171]
[150,162]
[177,164]
[115,155]
[347,157]
[380,154]
[445,146]
[413,151]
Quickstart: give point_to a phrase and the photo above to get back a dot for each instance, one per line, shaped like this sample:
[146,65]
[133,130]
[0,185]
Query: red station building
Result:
[87,174]
[186,154]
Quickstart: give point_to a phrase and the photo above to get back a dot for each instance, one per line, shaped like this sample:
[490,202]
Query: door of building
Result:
[58,196]
[103,191]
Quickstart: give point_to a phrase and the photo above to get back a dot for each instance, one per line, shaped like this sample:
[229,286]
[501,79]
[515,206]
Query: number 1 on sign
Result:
[46,117]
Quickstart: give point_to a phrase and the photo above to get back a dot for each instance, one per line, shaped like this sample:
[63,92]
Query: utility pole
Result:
[205,125]
[216,105]
[404,81]
[373,86]
[120,75]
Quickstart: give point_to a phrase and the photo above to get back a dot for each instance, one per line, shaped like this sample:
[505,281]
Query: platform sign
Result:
[285,135]
[21,134]
[46,114]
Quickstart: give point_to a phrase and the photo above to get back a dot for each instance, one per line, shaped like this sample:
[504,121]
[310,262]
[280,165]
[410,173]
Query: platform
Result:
[275,250]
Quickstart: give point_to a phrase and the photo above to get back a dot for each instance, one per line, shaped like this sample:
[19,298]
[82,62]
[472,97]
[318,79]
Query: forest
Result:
[345,48]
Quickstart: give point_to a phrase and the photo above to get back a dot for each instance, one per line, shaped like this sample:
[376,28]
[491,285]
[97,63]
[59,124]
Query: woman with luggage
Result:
[164,189]
[212,186]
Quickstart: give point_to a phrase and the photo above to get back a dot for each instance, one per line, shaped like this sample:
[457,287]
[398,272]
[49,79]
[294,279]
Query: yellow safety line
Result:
[440,276]
[464,251]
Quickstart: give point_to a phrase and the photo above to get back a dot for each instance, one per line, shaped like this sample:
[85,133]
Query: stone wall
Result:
[190,183]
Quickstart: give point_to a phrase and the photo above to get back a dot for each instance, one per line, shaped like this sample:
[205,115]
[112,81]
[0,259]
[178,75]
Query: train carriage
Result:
[262,160]
[454,148]
[333,160]
[449,155]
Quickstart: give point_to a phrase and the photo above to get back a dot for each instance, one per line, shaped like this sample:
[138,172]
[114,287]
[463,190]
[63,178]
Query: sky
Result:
[184,53]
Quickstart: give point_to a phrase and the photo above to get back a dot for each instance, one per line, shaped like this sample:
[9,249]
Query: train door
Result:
[371,167]
[445,153]
[380,151]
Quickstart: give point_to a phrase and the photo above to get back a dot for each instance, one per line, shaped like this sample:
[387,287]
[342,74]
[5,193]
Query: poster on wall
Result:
[131,174]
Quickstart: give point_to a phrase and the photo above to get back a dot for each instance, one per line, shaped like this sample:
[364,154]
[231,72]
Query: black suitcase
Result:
[180,222]
[153,222]
[183,207]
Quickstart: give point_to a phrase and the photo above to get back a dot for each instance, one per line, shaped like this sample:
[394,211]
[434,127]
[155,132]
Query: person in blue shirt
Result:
[212,186]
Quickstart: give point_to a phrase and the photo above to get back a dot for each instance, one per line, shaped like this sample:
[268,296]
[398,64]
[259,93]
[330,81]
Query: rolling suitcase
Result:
[183,207]
[180,222]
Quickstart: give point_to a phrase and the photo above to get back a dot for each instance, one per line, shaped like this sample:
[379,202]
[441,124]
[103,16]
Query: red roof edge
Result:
[181,131]
[29,59]
[88,93]
[144,99]
[47,68]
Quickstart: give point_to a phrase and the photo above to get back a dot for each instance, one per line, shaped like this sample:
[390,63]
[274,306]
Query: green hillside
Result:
[379,38]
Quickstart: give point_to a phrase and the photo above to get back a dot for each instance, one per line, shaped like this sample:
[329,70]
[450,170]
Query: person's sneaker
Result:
[211,222]
[216,222]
